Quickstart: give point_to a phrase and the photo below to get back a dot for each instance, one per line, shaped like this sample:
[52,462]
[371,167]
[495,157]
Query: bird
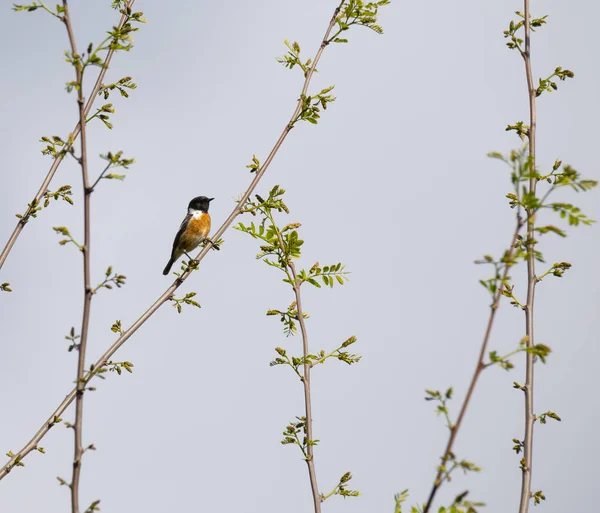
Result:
[193,230]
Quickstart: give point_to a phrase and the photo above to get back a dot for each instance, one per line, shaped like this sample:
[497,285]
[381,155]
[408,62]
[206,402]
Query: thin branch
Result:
[59,158]
[454,428]
[100,177]
[80,381]
[310,460]
[168,294]
[531,280]
[48,10]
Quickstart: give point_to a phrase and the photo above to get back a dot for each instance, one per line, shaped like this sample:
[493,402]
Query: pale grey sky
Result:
[394,182]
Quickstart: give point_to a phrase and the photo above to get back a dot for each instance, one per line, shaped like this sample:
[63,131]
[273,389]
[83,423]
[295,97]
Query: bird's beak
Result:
[210,199]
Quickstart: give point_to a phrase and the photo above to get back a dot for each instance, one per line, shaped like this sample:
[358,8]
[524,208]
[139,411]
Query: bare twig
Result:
[59,158]
[454,428]
[168,294]
[100,177]
[531,279]
[310,460]
[80,381]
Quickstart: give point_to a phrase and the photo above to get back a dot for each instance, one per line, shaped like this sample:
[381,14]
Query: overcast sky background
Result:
[394,182]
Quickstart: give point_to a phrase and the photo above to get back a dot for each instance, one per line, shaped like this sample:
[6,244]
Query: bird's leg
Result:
[193,262]
[213,244]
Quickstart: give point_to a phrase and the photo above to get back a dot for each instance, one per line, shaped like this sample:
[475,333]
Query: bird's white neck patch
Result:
[196,214]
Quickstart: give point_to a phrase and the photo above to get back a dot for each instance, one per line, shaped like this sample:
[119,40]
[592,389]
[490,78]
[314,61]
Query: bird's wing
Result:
[185,222]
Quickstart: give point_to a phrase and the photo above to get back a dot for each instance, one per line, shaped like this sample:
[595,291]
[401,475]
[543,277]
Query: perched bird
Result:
[193,231]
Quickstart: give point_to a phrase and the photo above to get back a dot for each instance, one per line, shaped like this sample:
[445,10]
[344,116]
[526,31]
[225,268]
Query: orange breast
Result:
[197,230]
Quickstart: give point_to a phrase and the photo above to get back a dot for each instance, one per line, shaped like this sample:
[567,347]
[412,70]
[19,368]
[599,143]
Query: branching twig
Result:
[531,279]
[478,368]
[16,458]
[101,176]
[59,158]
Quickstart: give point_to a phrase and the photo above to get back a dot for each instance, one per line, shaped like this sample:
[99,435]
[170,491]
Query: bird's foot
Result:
[215,245]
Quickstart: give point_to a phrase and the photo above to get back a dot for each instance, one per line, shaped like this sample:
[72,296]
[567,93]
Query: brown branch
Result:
[80,381]
[59,158]
[478,368]
[310,460]
[531,280]
[168,294]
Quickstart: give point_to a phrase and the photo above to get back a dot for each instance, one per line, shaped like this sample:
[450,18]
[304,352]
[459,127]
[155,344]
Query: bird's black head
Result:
[200,203]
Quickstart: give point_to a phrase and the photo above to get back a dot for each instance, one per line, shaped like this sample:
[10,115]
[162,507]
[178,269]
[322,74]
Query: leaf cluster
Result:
[282,244]
[117,327]
[492,284]
[571,213]
[114,160]
[17,463]
[63,230]
[186,300]
[503,361]
[111,366]
[295,434]
[292,58]
[452,464]
[187,266]
[524,200]
[34,6]
[314,359]
[541,351]
[72,337]
[357,12]
[64,192]
[56,146]
[547,415]
[442,400]
[260,205]
[254,166]
[121,85]
[515,42]
[342,488]
[459,505]
[519,445]
[63,482]
[508,291]
[538,497]
[122,38]
[548,84]
[328,274]
[558,269]
[520,128]
[103,114]
[110,279]
[311,106]
[94,506]
[288,318]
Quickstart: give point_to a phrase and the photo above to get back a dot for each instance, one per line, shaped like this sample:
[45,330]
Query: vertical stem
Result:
[81,383]
[310,460]
[531,280]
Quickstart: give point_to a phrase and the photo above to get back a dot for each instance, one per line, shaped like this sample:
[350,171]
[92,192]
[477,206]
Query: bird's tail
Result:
[168,267]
